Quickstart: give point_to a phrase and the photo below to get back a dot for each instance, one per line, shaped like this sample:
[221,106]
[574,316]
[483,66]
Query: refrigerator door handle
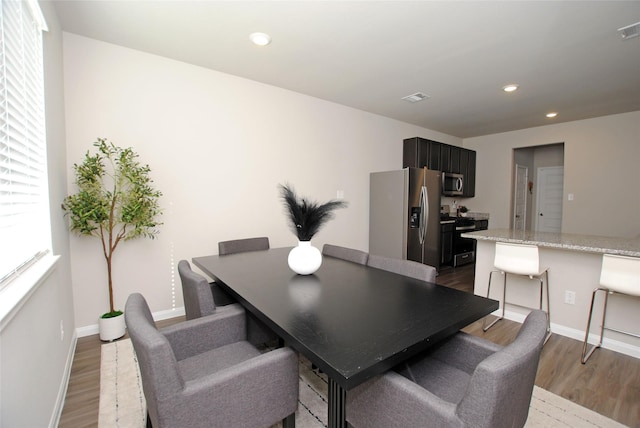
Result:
[424,213]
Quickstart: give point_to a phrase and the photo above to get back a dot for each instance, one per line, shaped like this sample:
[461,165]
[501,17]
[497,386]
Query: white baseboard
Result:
[169,313]
[614,345]
[92,329]
[64,385]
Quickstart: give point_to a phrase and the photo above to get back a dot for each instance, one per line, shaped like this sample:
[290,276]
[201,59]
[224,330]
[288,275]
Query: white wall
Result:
[218,146]
[600,168]
[37,338]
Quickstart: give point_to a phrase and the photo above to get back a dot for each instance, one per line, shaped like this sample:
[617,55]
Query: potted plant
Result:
[115,202]
[305,219]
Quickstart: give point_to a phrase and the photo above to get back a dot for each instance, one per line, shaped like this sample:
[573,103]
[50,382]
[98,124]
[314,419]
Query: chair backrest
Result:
[403,267]
[242,245]
[501,386]
[196,291]
[158,366]
[621,274]
[521,259]
[349,254]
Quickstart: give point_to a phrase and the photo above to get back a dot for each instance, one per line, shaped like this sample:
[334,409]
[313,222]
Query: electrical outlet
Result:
[570,297]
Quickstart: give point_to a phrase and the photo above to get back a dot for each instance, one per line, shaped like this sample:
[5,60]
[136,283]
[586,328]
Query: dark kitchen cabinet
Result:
[419,153]
[463,162]
[446,248]
[434,156]
[454,159]
[415,153]
[470,176]
[445,158]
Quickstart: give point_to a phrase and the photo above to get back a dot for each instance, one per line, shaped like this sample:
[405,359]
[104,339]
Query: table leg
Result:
[337,405]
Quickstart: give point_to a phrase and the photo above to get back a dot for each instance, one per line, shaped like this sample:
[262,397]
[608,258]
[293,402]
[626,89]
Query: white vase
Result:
[112,328]
[304,259]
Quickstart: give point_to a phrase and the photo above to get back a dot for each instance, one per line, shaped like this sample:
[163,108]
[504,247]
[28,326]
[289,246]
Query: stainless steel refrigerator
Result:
[404,214]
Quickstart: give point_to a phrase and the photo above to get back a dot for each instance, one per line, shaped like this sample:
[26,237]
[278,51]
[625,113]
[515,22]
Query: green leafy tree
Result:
[116,201]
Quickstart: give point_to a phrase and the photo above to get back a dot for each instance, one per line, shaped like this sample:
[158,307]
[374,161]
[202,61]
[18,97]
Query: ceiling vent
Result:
[414,98]
[630,31]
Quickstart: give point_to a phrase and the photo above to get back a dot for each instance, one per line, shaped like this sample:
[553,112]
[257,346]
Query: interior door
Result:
[550,184]
[520,198]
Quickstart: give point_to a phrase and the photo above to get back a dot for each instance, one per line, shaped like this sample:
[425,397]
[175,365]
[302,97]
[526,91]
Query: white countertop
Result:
[564,241]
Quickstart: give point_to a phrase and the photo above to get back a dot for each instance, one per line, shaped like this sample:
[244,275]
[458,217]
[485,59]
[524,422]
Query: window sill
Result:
[16,294]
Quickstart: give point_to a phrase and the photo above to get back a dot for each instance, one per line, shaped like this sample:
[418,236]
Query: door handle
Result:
[541,215]
[424,213]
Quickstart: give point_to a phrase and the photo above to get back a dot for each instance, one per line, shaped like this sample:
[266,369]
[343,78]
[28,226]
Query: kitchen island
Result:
[574,263]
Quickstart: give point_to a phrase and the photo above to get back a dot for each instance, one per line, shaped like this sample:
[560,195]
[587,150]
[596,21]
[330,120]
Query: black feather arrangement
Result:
[307,217]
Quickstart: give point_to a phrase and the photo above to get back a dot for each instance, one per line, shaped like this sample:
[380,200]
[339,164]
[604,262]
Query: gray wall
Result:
[218,146]
[600,169]
[38,338]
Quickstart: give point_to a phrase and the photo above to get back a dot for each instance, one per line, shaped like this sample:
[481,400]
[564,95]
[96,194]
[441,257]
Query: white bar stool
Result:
[621,275]
[523,260]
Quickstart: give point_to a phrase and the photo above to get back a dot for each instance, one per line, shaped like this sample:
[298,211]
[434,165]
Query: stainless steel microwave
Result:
[452,184]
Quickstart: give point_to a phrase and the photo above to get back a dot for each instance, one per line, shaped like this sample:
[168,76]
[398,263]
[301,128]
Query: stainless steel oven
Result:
[464,249]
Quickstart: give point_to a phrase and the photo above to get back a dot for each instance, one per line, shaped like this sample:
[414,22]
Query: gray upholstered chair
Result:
[203,372]
[242,245]
[465,381]
[404,267]
[201,299]
[349,254]
[231,247]
[200,296]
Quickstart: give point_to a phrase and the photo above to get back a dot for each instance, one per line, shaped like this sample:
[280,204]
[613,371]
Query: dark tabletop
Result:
[352,321]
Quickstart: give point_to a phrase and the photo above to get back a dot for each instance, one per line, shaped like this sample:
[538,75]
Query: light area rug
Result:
[122,401]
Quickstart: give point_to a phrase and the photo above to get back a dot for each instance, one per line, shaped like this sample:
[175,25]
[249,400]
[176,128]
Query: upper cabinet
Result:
[419,152]
[470,180]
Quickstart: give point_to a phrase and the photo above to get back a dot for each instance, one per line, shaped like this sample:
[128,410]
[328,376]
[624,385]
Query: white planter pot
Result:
[304,259]
[112,328]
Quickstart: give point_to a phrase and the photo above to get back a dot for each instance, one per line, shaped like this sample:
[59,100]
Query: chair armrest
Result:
[464,351]
[227,325]
[393,400]
[263,388]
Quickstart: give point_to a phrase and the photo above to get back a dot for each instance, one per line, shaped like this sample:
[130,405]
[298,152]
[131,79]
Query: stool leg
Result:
[604,316]
[585,354]
[486,327]
[546,277]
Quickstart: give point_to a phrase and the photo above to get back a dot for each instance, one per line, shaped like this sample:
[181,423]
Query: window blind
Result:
[24,213]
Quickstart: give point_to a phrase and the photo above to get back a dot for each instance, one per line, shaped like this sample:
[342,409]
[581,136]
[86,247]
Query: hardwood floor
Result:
[83,393]
[609,383]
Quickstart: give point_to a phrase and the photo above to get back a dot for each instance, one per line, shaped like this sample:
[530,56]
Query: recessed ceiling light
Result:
[512,87]
[414,98]
[551,115]
[260,39]
[630,31]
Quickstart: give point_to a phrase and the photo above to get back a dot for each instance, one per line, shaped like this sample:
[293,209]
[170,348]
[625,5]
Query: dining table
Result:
[352,321]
